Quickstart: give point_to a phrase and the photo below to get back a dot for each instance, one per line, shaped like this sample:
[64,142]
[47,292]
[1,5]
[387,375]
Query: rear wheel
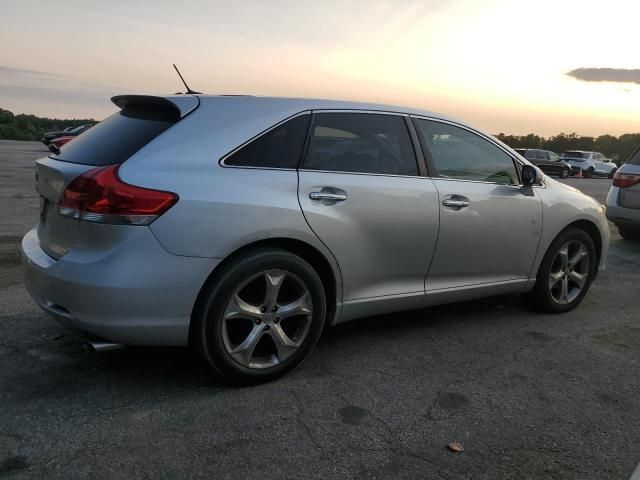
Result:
[564,173]
[260,316]
[565,274]
[629,233]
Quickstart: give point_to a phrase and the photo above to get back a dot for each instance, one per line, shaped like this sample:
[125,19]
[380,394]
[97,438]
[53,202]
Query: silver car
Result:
[590,163]
[623,200]
[243,226]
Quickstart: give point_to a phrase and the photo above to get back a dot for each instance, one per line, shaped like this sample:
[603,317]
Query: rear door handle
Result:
[456,202]
[328,196]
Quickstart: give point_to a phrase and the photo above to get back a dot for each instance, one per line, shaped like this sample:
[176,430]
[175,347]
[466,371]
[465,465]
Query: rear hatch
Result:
[110,142]
[630,172]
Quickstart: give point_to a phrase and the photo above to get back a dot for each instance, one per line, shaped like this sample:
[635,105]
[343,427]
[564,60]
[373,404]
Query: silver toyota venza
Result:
[243,226]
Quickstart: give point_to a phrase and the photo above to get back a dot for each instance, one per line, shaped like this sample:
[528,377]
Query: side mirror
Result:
[529,175]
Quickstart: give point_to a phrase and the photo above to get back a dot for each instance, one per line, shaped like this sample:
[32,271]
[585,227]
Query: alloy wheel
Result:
[266,319]
[569,272]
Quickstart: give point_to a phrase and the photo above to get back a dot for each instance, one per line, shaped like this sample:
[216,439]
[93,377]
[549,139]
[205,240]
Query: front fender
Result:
[564,206]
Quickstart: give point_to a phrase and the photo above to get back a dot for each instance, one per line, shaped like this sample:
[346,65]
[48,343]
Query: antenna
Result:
[185,83]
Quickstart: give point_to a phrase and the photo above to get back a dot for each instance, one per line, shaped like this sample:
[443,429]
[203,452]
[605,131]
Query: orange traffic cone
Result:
[579,174]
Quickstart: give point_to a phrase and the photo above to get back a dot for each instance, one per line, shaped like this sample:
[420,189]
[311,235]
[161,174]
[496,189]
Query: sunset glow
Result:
[501,65]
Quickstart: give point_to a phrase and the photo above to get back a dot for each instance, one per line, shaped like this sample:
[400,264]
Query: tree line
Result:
[616,148]
[31,127]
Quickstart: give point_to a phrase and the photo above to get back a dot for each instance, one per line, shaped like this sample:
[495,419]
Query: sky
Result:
[512,66]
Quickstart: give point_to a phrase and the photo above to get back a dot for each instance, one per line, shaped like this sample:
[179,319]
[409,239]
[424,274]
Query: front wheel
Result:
[565,274]
[564,173]
[260,317]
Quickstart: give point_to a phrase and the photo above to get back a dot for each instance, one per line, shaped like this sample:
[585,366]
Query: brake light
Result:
[100,196]
[625,180]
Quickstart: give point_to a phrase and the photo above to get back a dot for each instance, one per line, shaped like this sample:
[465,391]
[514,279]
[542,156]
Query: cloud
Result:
[53,94]
[621,75]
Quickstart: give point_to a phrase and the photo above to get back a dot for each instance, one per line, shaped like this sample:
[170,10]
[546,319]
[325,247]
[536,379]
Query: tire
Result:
[612,172]
[588,173]
[547,298]
[248,345]
[629,233]
[564,173]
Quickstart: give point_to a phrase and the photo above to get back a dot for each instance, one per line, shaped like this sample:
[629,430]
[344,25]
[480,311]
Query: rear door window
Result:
[361,142]
[118,137]
[280,147]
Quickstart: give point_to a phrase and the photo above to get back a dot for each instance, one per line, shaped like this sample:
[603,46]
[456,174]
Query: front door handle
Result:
[328,196]
[456,202]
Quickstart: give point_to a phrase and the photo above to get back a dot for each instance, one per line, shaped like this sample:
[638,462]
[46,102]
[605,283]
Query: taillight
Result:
[100,196]
[625,180]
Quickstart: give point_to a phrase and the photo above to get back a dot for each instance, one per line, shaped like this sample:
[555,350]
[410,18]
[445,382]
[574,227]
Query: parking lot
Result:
[527,395]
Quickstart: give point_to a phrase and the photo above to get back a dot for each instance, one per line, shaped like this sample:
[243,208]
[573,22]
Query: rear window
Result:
[118,137]
[635,158]
[574,155]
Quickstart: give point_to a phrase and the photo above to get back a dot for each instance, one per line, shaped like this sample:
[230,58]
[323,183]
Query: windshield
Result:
[574,155]
[77,129]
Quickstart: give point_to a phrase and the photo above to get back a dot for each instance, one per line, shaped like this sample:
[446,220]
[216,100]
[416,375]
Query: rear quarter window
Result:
[118,137]
[280,147]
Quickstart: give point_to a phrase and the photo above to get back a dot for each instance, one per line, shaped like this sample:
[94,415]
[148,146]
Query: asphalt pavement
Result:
[527,395]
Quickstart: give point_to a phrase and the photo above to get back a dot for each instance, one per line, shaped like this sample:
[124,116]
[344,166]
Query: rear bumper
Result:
[136,293]
[621,215]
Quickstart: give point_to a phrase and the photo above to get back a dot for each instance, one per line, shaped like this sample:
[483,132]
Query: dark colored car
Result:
[47,137]
[547,161]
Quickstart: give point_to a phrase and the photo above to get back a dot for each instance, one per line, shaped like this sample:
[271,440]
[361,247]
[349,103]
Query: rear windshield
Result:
[116,138]
[635,158]
[574,155]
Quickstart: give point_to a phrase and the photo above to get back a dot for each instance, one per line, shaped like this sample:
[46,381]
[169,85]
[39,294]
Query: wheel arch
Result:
[593,231]
[330,278]
[585,225]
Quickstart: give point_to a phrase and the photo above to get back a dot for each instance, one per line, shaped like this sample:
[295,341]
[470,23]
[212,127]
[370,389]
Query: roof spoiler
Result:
[180,105]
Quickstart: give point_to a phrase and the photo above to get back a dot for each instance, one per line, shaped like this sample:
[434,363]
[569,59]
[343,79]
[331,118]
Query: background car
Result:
[57,143]
[47,137]
[623,200]
[243,225]
[547,161]
[591,163]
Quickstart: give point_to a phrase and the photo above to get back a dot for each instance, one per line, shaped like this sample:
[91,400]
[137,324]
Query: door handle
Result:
[328,196]
[450,203]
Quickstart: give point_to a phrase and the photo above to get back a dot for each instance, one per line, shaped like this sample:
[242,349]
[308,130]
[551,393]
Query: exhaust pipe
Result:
[99,346]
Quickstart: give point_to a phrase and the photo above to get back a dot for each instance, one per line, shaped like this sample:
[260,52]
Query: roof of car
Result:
[326,104]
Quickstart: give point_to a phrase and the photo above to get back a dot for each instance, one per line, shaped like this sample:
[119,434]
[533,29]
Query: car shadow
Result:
[62,368]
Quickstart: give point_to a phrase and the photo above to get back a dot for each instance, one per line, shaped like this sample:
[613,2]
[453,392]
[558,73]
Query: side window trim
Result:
[427,153]
[417,153]
[222,159]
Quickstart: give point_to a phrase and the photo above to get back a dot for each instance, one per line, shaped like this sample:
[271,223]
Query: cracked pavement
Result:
[528,395]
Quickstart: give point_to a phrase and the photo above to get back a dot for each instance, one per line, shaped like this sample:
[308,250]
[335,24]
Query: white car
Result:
[591,163]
